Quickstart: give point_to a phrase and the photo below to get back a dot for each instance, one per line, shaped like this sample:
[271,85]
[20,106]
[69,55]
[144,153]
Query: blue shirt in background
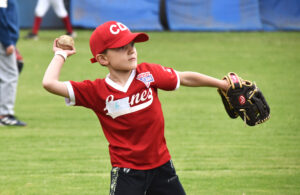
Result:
[9,24]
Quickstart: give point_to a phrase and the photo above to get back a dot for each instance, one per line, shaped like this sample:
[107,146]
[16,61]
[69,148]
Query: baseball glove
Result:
[244,99]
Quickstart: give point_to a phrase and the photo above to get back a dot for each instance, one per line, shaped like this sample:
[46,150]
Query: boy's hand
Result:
[68,52]
[225,85]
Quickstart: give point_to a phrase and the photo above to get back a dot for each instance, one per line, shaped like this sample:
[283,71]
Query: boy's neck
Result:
[120,77]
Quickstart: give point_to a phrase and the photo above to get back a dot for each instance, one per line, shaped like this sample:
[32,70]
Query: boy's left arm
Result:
[194,79]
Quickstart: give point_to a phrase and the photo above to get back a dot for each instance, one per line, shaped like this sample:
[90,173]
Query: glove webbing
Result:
[235,81]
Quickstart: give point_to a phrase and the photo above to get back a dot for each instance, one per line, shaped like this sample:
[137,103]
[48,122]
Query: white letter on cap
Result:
[121,26]
[112,31]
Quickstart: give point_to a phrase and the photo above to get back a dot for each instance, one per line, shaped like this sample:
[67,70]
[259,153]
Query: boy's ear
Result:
[102,59]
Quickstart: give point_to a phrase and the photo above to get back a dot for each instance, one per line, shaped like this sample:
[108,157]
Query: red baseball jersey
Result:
[131,116]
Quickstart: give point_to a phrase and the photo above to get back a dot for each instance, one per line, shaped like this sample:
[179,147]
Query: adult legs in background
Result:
[41,8]
[61,12]
[8,88]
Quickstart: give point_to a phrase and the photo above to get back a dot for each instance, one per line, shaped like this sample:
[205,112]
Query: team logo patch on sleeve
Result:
[146,78]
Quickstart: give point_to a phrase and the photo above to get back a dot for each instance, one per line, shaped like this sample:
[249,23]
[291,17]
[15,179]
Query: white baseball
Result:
[65,42]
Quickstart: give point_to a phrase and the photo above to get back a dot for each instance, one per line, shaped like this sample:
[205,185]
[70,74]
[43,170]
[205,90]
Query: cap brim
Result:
[135,37]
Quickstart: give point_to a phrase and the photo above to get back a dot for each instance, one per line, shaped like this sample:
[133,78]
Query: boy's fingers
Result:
[55,42]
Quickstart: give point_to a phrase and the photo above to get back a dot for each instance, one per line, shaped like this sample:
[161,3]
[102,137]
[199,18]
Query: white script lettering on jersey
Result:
[128,105]
[115,29]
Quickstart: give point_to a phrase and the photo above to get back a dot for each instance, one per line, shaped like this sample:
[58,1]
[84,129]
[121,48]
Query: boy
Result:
[128,108]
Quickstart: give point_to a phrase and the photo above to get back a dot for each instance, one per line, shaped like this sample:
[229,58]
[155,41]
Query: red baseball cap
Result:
[112,34]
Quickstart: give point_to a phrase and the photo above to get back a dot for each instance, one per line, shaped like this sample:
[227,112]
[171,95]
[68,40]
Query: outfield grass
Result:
[63,150]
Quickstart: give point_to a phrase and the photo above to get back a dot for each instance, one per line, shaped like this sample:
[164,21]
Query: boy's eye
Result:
[121,48]
[126,46]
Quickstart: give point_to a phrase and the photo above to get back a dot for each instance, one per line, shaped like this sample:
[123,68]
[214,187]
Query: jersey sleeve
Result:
[165,78]
[81,93]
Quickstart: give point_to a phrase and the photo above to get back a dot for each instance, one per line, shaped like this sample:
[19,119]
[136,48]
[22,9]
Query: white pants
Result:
[58,6]
[8,81]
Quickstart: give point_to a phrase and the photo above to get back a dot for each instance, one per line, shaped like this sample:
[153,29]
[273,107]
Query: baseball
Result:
[65,42]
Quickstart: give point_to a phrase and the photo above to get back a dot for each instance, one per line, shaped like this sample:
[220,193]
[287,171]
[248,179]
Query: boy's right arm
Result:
[195,79]
[51,78]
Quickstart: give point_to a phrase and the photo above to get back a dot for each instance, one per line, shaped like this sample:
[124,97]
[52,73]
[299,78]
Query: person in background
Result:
[41,8]
[9,74]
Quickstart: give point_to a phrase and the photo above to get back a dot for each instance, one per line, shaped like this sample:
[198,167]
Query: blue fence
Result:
[136,14]
[214,15]
[26,14]
[177,15]
[280,14]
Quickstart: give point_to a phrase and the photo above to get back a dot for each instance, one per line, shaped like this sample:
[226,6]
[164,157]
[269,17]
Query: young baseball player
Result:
[127,106]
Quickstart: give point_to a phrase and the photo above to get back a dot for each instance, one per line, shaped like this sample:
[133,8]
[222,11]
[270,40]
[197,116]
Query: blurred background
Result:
[175,15]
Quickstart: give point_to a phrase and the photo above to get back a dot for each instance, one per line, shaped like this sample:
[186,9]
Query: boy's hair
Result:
[110,35]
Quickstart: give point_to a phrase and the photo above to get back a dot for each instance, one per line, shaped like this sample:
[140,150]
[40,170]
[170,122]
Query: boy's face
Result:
[122,58]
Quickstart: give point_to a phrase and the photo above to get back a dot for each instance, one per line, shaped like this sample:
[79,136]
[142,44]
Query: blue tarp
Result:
[213,15]
[26,14]
[280,14]
[186,15]
[136,14]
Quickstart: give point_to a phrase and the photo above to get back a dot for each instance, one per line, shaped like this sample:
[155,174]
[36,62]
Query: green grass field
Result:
[63,150]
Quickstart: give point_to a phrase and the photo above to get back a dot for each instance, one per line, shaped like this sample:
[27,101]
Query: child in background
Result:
[41,8]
